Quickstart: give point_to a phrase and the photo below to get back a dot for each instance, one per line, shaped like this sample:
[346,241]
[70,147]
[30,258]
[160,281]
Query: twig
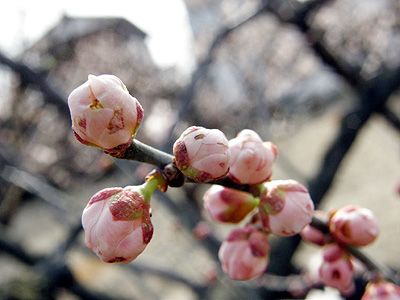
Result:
[40,188]
[299,18]
[203,67]
[29,76]
[141,152]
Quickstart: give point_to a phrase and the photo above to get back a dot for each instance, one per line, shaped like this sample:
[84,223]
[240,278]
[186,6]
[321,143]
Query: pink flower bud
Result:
[202,154]
[381,290]
[285,207]
[228,205]
[202,230]
[117,224]
[104,114]
[313,235]
[398,188]
[354,225]
[251,158]
[244,254]
[336,269]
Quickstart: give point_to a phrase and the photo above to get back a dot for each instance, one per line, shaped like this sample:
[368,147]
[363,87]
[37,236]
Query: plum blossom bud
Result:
[104,114]
[381,290]
[251,158]
[117,223]
[202,230]
[336,269]
[228,205]
[245,253]
[354,225]
[313,235]
[285,207]
[398,188]
[202,154]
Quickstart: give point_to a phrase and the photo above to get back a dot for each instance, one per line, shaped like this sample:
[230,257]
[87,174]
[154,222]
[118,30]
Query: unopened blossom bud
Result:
[202,230]
[313,235]
[245,253]
[354,225]
[398,188]
[104,114]
[202,154]
[381,290]
[251,158]
[285,207]
[228,205]
[117,223]
[336,269]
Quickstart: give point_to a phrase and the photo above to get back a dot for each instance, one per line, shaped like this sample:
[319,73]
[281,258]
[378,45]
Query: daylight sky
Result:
[24,21]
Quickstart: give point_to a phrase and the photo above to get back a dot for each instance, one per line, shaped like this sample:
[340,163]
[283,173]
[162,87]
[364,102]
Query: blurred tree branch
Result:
[297,13]
[29,76]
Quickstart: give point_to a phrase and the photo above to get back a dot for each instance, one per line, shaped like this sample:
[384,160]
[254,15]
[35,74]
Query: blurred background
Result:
[318,78]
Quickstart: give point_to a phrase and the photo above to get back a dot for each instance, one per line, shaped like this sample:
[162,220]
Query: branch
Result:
[39,187]
[17,251]
[204,65]
[141,152]
[52,269]
[391,117]
[373,97]
[299,17]
[29,76]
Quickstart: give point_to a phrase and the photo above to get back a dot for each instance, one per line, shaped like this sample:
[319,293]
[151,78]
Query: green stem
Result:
[151,184]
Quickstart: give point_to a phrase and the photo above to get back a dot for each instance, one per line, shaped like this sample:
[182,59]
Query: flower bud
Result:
[228,205]
[104,114]
[354,225]
[381,290]
[245,253]
[285,207]
[117,223]
[202,230]
[202,154]
[336,269]
[251,158]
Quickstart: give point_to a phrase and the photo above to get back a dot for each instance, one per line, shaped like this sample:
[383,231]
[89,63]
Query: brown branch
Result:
[391,117]
[141,152]
[29,76]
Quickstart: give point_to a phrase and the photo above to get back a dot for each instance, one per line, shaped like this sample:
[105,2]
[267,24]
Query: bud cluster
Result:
[280,207]
[349,226]
[283,208]
[117,221]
